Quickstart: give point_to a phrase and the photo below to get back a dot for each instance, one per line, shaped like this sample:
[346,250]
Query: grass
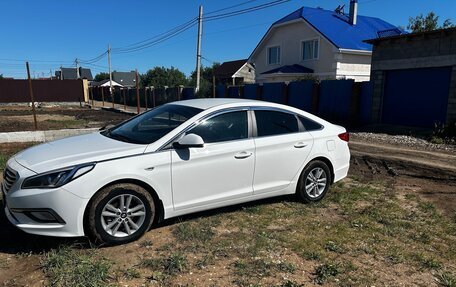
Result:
[68,267]
[176,263]
[355,220]
[282,242]
[446,279]
[131,273]
[3,160]
[325,272]
[200,232]
[66,124]
[260,267]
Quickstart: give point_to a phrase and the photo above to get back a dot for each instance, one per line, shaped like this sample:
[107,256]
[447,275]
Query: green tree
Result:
[161,76]
[206,80]
[101,76]
[1,76]
[429,22]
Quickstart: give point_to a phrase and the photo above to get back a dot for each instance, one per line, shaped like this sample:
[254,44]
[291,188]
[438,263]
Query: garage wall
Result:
[436,49]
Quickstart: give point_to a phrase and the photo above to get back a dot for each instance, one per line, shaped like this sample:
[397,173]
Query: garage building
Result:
[414,79]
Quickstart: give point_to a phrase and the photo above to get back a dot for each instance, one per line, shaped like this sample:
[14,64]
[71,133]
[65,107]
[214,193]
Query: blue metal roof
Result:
[337,29]
[290,69]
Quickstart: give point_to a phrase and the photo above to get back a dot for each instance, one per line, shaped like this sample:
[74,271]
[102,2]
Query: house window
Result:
[274,55]
[310,50]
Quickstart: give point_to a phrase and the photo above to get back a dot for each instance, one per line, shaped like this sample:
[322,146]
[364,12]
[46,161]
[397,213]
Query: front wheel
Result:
[314,182]
[120,213]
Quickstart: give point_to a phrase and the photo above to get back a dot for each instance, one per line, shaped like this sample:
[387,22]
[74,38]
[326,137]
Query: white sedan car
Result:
[176,159]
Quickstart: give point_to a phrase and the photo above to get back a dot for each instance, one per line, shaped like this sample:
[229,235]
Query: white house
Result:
[235,72]
[323,43]
[105,83]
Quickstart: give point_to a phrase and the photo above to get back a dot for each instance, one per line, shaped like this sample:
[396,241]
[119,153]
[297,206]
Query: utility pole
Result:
[198,48]
[77,69]
[31,95]
[110,74]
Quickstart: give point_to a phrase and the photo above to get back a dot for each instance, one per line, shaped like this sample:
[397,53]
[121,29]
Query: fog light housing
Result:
[41,215]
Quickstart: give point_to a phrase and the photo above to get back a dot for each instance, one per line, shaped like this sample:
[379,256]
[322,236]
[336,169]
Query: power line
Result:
[94,60]
[95,65]
[159,38]
[156,36]
[230,7]
[240,27]
[208,60]
[246,10]
[157,41]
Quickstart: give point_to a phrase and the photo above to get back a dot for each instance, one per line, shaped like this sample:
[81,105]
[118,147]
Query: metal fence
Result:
[342,101]
[17,91]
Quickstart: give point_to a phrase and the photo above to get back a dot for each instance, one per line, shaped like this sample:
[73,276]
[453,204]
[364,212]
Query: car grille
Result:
[9,178]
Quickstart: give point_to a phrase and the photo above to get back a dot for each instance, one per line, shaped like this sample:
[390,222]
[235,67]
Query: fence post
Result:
[259,92]
[285,93]
[145,96]
[315,97]
[153,96]
[137,92]
[31,95]
[91,95]
[102,96]
[125,99]
[213,86]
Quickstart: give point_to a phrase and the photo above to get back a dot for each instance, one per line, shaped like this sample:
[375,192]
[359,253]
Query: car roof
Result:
[205,104]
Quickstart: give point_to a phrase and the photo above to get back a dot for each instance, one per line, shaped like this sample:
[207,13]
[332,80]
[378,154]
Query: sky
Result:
[54,33]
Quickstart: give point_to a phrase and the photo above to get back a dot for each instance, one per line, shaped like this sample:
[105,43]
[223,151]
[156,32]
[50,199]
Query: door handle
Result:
[300,145]
[242,155]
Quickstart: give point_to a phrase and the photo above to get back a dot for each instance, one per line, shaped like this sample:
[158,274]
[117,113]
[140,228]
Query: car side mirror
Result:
[188,141]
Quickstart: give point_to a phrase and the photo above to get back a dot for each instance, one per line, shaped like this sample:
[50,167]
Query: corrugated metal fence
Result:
[342,101]
[17,91]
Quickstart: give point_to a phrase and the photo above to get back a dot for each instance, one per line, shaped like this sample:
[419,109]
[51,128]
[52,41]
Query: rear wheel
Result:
[314,182]
[120,213]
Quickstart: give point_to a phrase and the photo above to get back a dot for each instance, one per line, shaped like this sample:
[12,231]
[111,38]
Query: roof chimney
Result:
[353,12]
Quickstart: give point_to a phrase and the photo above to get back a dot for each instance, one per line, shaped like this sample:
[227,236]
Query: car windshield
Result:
[151,126]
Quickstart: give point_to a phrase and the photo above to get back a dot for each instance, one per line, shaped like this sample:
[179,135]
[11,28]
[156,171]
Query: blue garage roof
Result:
[337,29]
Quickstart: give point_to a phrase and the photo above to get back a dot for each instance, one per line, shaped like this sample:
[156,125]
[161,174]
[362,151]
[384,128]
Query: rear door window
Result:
[309,125]
[270,123]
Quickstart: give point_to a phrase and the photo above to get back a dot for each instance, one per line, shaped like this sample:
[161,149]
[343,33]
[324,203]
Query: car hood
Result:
[75,150]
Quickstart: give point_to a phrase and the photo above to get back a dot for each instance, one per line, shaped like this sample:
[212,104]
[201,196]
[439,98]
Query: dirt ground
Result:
[20,118]
[431,175]
[417,180]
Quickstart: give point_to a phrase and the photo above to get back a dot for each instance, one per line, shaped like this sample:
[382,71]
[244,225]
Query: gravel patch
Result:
[401,141]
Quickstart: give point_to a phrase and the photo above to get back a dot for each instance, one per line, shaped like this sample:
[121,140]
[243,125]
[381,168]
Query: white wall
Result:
[247,72]
[330,64]
[353,66]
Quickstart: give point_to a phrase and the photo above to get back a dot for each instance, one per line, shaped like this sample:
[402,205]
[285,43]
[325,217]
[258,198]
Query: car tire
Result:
[120,213]
[314,182]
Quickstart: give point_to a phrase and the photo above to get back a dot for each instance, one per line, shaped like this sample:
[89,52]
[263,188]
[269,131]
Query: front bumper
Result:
[68,208]
[21,204]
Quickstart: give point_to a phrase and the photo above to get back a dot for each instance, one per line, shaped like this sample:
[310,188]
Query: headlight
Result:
[57,178]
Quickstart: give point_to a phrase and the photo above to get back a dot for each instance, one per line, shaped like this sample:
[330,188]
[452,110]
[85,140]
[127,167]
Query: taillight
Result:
[344,137]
